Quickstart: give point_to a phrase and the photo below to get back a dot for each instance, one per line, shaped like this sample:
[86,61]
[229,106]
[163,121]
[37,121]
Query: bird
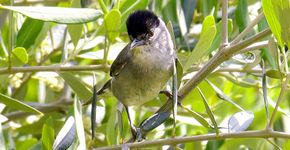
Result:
[142,69]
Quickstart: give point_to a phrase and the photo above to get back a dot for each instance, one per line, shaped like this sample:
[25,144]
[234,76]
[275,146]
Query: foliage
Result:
[50,57]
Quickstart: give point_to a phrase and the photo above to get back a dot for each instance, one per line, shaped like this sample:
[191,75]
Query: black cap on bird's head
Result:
[140,24]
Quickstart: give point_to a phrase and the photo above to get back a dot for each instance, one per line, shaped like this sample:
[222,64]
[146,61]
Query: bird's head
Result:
[141,27]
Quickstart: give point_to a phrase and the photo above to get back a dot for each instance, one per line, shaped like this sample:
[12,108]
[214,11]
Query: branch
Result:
[54,68]
[177,140]
[224,23]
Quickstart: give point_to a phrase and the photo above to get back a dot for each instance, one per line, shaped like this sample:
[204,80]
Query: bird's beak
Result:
[136,43]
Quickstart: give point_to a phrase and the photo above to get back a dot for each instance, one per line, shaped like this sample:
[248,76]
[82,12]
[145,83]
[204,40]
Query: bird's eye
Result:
[150,34]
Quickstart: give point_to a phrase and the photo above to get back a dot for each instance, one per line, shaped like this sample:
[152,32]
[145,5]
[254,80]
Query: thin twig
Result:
[53,68]
[283,89]
[248,29]
[224,23]
[177,140]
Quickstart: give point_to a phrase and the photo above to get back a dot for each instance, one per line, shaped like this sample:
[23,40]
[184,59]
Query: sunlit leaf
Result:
[204,43]
[75,32]
[240,121]
[57,14]
[17,105]
[19,56]
[79,125]
[113,24]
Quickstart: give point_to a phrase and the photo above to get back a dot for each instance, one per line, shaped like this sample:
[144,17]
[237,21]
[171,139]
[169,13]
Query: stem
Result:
[53,68]
[248,29]
[103,6]
[283,89]
[177,140]
[224,23]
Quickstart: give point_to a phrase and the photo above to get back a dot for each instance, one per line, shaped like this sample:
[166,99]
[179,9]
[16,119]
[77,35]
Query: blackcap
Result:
[143,67]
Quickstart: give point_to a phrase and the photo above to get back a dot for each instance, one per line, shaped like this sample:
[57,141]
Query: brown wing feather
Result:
[120,61]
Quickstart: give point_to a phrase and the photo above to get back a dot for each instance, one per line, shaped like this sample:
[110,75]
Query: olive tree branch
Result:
[213,136]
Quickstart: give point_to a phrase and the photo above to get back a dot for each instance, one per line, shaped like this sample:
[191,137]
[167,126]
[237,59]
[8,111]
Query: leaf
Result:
[28,32]
[2,139]
[47,134]
[208,110]
[171,31]
[19,56]
[181,18]
[17,105]
[113,24]
[274,52]
[75,32]
[111,131]
[204,43]
[66,135]
[276,13]
[79,124]
[222,96]
[198,117]
[188,9]
[217,39]
[275,74]
[240,121]
[264,88]
[77,85]
[57,14]
[241,14]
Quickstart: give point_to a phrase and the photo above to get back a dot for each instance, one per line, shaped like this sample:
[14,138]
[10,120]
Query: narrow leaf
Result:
[28,32]
[79,124]
[222,96]
[174,93]
[66,135]
[204,43]
[47,134]
[17,105]
[77,85]
[240,121]
[198,117]
[57,14]
[264,87]
[208,110]
[75,32]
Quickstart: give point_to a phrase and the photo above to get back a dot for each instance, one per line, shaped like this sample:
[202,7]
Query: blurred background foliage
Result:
[26,42]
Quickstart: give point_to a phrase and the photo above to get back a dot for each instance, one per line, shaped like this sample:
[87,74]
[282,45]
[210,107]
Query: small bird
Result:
[145,65]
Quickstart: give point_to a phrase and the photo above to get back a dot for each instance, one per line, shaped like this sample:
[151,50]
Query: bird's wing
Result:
[121,61]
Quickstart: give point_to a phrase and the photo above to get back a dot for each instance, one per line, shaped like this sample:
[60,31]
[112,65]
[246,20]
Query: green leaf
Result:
[111,131]
[77,85]
[47,137]
[181,18]
[208,110]
[17,105]
[28,32]
[204,43]
[275,74]
[2,139]
[276,13]
[79,124]
[217,39]
[113,23]
[222,96]
[241,14]
[19,56]
[56,14]
[75,32]
[171,31]
[198,117]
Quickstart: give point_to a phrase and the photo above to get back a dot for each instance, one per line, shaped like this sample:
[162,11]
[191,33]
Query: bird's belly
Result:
[139,84]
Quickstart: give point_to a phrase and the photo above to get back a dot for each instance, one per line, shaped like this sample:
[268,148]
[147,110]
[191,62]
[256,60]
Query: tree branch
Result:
[54,68]
[177,140]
